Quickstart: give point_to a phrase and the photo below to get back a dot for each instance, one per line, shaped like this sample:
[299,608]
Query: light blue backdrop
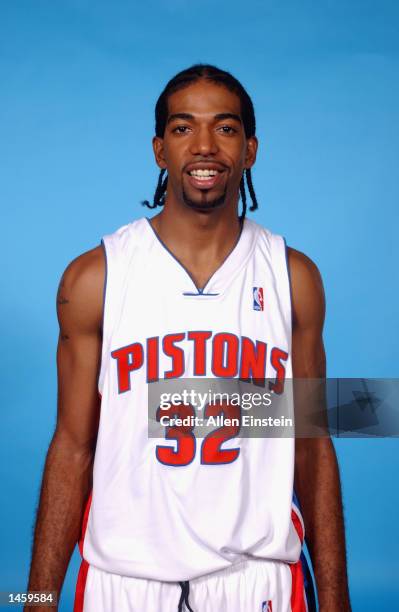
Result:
[79,81]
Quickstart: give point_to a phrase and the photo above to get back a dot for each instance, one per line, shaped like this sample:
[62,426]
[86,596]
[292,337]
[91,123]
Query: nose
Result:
[204,142]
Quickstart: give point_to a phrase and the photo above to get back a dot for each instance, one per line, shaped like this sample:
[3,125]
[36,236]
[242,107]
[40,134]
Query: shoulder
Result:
[86,272]
[82,286]
[307,291]
[302,267]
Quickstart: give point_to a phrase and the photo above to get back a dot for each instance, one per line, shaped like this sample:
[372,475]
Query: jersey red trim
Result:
[298,598]
[298,525]
[84,566]
[80,587]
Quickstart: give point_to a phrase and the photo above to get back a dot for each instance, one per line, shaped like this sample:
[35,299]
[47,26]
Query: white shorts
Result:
[248,586]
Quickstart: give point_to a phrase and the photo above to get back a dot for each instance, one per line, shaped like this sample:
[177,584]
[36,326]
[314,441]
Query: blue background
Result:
[79,81]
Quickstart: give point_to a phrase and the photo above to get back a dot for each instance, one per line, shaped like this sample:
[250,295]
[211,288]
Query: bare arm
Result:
[317,481]
[68,470]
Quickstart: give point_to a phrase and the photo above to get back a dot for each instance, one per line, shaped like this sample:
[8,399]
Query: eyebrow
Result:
[218,117]
[233,116]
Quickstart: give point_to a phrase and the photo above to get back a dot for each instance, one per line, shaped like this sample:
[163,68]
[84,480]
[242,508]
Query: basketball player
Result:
[199,290]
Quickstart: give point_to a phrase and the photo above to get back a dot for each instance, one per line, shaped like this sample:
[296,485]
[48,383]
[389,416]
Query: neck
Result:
[201,241]
[212,231]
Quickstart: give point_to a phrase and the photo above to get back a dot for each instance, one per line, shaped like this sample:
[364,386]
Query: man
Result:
[197,291]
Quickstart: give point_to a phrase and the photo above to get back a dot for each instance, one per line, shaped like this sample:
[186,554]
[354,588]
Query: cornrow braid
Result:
[243,199]
[159,195]
[251,190]
[221,77]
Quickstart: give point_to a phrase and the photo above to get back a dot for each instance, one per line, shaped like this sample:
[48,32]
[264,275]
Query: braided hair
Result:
[221,77]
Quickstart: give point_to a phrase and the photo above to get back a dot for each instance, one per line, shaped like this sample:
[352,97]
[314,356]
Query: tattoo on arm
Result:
[61,299]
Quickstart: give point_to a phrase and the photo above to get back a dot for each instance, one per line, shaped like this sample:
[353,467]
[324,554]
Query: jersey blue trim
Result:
[310,589]
[200,291]
[289,281]
[199,294]
[104,250]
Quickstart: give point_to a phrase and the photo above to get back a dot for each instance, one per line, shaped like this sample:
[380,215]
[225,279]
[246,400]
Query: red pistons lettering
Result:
[152,359]
[176,353]
[129,358]
[230,356]
[253,359]
[199,338]
[277,356]
[225,355]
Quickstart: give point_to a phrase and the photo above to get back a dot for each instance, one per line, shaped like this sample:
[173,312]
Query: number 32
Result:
[211,451]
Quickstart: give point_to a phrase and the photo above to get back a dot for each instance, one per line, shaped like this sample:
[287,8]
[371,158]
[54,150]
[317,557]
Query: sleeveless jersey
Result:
[156,513]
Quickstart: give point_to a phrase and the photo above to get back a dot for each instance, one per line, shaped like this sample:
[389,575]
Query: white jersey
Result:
[174,510]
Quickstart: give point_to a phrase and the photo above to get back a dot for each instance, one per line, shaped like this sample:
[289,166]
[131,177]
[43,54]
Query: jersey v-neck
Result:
[225,273]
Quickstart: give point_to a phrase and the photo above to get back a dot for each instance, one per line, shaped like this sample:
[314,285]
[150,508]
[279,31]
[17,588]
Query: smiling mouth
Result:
[203,174]
[205,178]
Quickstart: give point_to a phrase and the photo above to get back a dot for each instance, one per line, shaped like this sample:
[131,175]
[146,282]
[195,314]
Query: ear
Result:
[250,156]
[157,145]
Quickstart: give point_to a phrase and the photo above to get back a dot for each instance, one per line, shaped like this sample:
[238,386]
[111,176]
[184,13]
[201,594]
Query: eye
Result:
[227,129]
[180,129]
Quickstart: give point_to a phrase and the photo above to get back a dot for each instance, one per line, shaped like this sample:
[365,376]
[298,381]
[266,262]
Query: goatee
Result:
[206,205]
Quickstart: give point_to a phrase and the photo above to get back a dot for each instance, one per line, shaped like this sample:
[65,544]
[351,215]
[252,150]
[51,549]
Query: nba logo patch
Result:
[257,294]
[267,606]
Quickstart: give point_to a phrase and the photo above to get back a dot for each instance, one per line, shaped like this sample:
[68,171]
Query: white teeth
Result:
[201,174]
